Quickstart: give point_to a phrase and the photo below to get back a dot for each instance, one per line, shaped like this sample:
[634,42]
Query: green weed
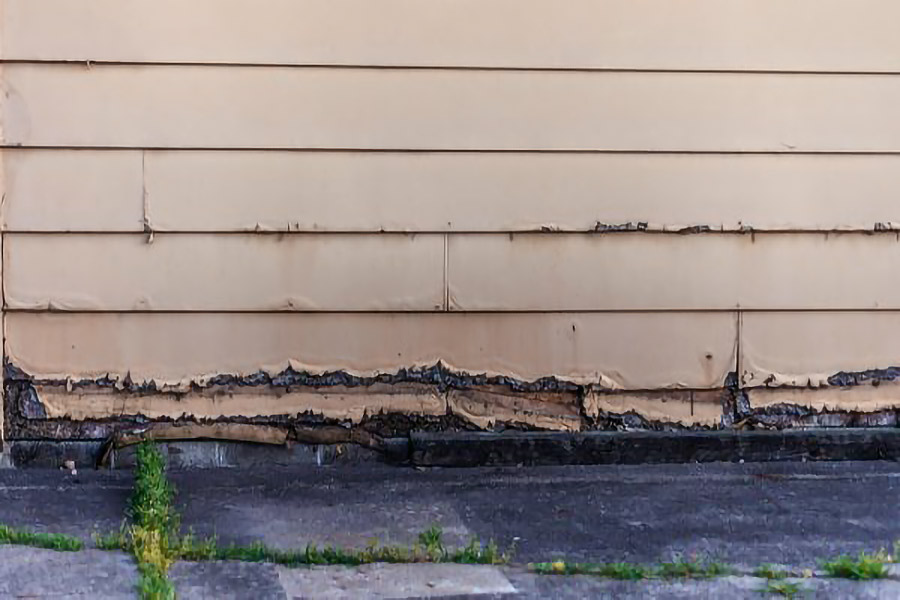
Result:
[767,571]
[780,587]
[618,570]
[50,541]
[430,548]
[112,541]
[679,568]
[151,503]
[863,567]
[691,569]
[154,524]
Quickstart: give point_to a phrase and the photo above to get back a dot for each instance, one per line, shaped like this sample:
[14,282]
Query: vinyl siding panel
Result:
[826,35]
[806,349]
[671,272]
[247,107]
[692,350]
[202,272]
[398,191]
[81,190]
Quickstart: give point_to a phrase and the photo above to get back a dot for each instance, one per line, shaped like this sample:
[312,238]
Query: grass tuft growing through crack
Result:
[429,548]
[677,568]
[863,567]
[154,524]
[781,587]
[693,569]
[50,541]
[620,570]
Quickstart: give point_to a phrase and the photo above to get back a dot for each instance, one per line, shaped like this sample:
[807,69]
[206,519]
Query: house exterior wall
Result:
[458,213]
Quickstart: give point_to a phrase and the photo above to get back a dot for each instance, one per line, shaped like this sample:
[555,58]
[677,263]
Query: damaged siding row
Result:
[607,214]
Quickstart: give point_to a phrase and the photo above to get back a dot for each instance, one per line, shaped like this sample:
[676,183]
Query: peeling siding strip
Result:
[808,349]
[862,399]
[618,351]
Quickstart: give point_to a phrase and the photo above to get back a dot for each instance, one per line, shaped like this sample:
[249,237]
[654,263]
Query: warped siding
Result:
[577,211]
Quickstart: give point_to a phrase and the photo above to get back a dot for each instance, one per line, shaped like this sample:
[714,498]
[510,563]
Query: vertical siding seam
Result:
[446,272]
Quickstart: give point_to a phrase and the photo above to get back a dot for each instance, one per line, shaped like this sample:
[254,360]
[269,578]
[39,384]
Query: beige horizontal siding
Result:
[48,190]
[690,34]
[241,191]
[630,351]
[522,272]
[90,190]
[805,349]
[193,106]
[206,272]
[637,271]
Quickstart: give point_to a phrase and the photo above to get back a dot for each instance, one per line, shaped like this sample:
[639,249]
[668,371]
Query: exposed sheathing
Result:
[488,408]
[350,404]
[691,408]
[859,398]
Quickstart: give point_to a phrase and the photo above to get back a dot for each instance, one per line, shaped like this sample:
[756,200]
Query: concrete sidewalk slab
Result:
[395,581]
[37,573]
[226,580]
[536,587]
